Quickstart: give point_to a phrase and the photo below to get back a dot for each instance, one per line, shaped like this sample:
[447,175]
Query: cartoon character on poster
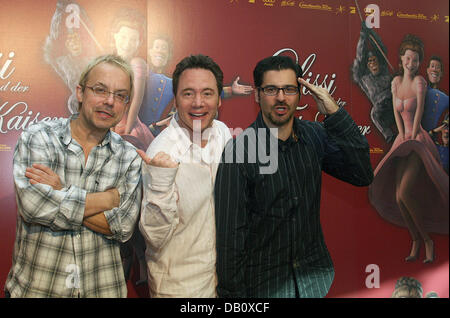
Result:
[442,142]
[409,287]
[436,108]
[70,45]
[128,33]
[157,103]
[370,71]
[410,178]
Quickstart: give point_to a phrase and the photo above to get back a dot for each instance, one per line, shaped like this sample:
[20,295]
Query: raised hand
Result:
[238,89]
[325,103]
[39,173]
[161,159]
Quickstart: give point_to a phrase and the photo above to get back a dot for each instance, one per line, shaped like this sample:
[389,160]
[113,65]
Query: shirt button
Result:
[296,264]
[159,89]
[161,81]
[156,99]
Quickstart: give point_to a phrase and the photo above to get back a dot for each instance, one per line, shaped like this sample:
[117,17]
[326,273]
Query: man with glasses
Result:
[78,193]
[269,238]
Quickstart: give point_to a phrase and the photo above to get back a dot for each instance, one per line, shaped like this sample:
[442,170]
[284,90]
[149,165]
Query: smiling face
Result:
[159,54]
[434,72]
[410,62]
[278,110]
[197,99]
[99,113]
[127,42]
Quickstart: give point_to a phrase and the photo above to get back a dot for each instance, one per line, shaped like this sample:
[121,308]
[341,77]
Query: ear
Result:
[257,95]
[220,102]
[127,106]
[79,93]
[175,103]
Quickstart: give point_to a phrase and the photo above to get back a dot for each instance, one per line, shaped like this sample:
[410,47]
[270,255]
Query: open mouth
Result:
[159,58]
[198,116]
[434,75]
[281,110]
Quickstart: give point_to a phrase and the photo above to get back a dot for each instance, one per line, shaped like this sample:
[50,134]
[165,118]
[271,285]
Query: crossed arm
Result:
[96,203]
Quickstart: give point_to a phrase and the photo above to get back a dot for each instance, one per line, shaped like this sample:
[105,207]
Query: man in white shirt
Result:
[177,217]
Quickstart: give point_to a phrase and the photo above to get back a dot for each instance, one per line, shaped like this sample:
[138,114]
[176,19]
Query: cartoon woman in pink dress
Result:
[410,188]
[127,34]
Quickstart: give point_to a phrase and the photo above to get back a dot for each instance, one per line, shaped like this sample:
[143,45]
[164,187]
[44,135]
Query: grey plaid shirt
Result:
[54,254]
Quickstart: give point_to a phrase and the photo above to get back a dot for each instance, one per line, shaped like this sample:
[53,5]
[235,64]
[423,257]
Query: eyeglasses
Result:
[273,90]
[101,91]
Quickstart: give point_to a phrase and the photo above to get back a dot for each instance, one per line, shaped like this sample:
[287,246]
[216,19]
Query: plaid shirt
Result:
[54,254]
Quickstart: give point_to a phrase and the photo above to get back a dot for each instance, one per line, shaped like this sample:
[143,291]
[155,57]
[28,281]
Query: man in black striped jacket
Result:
[269,237]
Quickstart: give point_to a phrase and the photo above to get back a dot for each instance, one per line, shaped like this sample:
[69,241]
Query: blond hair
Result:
[110,59]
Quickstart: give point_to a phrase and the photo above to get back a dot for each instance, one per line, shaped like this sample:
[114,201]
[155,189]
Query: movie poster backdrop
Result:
[44,45]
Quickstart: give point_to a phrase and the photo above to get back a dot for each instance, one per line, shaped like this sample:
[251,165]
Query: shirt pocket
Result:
[104,177]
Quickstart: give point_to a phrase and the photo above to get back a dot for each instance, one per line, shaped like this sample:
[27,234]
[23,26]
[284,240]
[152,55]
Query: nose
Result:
[110,99]
[198,100]
[280,95]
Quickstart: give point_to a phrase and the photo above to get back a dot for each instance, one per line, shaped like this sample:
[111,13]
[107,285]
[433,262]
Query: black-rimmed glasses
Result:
[273,90]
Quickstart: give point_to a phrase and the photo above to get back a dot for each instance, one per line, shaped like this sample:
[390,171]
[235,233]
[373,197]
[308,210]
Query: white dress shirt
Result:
[177,217]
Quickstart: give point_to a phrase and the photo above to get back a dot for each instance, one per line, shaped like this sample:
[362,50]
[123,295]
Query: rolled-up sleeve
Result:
[122,219]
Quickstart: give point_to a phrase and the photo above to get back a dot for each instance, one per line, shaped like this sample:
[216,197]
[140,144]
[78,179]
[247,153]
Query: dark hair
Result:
[163,37]
[128,17]
[197,61]
[413,43]
[438,59]
[274,63]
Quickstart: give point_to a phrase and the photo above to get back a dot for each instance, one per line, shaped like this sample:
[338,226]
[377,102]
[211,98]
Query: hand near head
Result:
[161,159]
[326,105]
[238,89]
[440,128]
[38,173]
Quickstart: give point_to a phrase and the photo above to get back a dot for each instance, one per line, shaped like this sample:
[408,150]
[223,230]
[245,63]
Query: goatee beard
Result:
[276,121]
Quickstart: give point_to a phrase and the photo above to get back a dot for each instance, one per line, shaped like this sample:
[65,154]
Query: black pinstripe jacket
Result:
[269,238]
